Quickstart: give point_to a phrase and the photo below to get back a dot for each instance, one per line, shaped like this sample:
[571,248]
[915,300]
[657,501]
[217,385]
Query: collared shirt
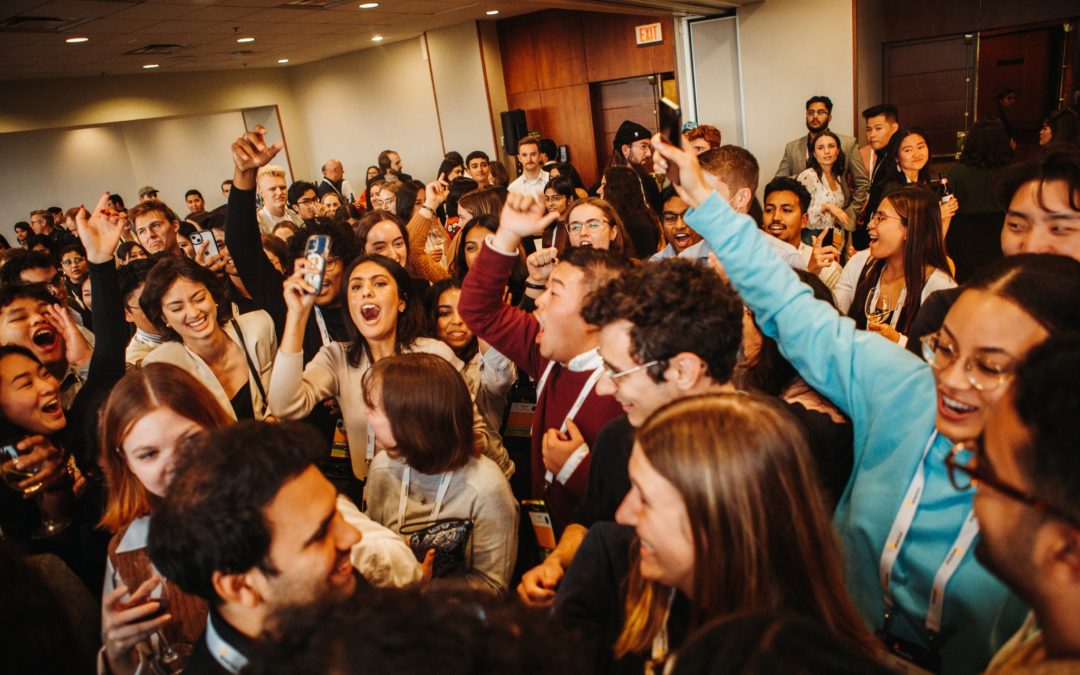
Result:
[523,185]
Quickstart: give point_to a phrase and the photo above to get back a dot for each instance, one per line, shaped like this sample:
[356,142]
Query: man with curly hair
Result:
[668,330]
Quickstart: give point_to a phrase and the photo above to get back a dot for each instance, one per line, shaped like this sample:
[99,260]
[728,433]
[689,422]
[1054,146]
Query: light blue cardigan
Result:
[889,395]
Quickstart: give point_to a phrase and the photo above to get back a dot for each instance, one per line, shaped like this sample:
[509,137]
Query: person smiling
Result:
[593,223]
[906,417]
[727,516]
[903,266]
[231,356]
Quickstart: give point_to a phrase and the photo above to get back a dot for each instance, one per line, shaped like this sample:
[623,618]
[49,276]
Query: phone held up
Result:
[671,132]
[201,237]
[317,251]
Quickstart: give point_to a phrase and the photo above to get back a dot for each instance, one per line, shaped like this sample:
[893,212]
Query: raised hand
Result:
[523,215]
[299,294]
[250,152]
[76,349]
[213,262]
[822,256]
[540,263]
[691,186]
[125,624]
[100,231]
[435,192]
[40,457]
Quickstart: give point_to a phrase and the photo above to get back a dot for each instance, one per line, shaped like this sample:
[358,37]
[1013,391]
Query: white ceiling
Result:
[206,30]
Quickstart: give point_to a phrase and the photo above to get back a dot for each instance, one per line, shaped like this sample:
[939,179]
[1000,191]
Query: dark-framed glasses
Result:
[983,371]
[968,466]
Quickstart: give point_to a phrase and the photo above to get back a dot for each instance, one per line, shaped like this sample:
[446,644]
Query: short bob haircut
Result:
[137,394]
[410,322]
[483,201]
[621,243]
[987,145]
[429,408]
[167,272]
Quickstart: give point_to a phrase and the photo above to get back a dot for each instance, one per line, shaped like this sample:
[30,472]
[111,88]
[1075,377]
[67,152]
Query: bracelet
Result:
[431,211]
[538,287]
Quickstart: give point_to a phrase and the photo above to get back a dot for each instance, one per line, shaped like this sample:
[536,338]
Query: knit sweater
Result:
[513,332]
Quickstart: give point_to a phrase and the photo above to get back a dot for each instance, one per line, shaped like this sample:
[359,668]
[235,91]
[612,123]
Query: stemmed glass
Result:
[877,308]
[168,657]
[13,477]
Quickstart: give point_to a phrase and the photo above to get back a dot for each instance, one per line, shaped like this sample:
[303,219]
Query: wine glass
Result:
[14,476]
[877,308]
[168,657]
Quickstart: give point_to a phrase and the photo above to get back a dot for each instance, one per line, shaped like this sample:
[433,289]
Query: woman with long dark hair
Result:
[825,180]
[384,317]
[621,187]
[904,264]
[973,239]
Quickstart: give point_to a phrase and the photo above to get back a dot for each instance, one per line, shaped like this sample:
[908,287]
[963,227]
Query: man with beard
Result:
[1027,475]
[797,152]
[632,149]
[250,525]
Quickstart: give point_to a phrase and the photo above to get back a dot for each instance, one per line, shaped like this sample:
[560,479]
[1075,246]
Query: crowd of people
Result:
[480,425]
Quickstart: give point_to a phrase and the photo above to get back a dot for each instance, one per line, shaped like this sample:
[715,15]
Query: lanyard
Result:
[440,494]
[586,389]
[322,327]
[661,647]
[900,528]
[224,653]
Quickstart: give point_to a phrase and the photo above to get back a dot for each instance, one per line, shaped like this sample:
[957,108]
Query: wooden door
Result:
[617,101]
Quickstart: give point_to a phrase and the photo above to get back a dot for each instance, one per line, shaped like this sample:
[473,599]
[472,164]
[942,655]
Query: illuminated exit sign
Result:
[649,34]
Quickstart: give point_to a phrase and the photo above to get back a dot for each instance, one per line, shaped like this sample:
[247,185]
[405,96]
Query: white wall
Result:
[458,76]
[68,167]
[790,51]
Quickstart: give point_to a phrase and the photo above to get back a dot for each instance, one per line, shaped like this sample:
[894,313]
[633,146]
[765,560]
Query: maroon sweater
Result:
[513,332]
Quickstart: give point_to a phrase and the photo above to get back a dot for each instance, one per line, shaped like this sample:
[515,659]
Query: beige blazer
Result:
[260,341]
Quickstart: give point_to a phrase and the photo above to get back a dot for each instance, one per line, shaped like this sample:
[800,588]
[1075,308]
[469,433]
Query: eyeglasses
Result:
[671,217]
[554,199]
[976,470]
[592,225]
[384,203]
[879,218]
[980,370]
[817,113]
[71,262]
[616,374]
[304,201]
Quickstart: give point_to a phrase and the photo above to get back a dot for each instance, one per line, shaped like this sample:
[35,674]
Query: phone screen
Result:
[317,251]
[671,131]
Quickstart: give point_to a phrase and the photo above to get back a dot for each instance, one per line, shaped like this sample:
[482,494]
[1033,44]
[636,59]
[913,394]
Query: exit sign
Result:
[649,34]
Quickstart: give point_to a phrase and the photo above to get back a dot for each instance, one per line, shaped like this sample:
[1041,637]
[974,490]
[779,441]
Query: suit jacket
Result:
[794,163]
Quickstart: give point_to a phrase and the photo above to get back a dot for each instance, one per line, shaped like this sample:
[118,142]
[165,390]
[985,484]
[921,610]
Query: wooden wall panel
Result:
[528,101]
[567,118]
[560,54]
[519,60]
[611,51]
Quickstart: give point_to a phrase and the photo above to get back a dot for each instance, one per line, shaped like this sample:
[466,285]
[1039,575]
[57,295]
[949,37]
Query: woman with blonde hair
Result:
[728,516]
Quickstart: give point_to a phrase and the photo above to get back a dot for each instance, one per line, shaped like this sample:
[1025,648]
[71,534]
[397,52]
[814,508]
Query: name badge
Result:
[907,658]
[541,524]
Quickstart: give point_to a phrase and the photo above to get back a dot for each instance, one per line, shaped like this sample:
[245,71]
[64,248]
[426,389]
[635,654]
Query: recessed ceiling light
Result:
[492,12]
[283,60]
[377,38]
[76,40]
[245,39]
[369,5]
[150,66]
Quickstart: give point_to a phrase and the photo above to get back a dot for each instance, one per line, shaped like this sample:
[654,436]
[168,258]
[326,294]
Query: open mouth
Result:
[585,243]
[370,312]
[52,407]
[775,229]
[951,409]
[198,324]
[44,337]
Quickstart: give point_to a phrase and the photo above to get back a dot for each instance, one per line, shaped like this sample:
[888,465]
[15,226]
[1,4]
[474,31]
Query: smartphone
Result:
[204,237]
[317,251]
[671,131]
[828,239]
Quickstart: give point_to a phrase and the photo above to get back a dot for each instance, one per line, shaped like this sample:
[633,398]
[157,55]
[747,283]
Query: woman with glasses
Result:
[907,534]
[594,222]
[883,286]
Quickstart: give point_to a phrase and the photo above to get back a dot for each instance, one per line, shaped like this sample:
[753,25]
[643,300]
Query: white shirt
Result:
[524,185]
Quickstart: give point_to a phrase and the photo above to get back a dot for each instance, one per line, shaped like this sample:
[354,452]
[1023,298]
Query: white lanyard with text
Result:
[321,322]
[900,528]
[440,495]
[661,646]
[586,389]
[223,652]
